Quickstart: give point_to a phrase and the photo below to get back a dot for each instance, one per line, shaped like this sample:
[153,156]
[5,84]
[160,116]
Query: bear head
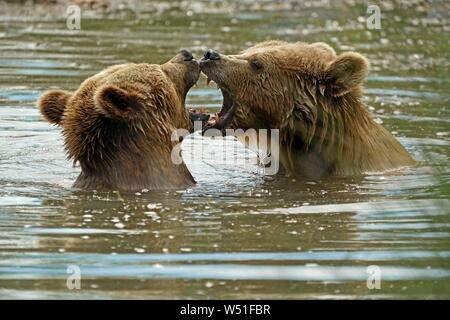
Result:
[118,124]
[267,82]
[313,97]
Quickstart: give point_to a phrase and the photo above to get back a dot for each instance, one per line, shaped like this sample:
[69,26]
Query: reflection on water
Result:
[237,234]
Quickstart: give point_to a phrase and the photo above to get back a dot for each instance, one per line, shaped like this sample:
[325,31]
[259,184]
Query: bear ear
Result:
[52,105]
[345,73]
[115,102]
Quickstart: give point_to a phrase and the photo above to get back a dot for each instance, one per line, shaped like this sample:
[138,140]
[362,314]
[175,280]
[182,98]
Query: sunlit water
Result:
[237,234]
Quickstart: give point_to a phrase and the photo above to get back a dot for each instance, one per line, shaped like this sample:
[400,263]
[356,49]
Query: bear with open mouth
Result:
[314,97]
[118,125]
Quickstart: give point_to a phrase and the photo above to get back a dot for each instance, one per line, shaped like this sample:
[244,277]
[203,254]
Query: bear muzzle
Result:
[187,55]
[211,54]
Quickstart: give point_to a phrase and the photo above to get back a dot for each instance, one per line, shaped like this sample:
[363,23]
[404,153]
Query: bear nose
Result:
[211,54]
[186,54]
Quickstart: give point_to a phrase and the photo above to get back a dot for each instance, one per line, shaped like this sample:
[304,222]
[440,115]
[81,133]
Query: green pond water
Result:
[237,234]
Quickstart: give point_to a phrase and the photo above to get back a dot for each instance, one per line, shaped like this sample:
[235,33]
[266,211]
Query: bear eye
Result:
[256,65]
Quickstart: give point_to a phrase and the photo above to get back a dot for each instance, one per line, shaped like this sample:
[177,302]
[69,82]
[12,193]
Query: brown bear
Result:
[118,125]
[314,98]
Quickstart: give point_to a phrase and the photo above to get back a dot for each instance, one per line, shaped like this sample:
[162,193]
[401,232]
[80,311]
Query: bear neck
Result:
[129,160]
[181,85]
[345,140]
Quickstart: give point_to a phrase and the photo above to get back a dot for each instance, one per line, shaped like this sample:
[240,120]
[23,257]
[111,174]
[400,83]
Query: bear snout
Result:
[187,55]
[211,54]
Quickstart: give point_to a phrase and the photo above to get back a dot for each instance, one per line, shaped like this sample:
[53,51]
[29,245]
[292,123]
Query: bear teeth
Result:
[208,80]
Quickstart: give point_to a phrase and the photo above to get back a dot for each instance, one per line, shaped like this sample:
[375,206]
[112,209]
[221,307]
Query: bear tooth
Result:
[208,80]
[322,88]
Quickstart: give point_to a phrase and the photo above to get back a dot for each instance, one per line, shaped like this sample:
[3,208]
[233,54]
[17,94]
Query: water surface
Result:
[237,234]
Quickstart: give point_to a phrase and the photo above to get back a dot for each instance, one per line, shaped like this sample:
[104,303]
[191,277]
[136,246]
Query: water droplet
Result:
[119,225]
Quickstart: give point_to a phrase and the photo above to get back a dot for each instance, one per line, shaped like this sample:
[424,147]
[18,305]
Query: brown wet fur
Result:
[52,104]
[118,125]
[314,97]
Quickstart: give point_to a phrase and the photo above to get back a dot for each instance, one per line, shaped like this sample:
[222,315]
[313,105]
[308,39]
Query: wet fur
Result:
[314,97]
[118,126]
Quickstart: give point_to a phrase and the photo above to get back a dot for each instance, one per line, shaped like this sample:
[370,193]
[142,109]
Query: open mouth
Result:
[209,65]
[221,120]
